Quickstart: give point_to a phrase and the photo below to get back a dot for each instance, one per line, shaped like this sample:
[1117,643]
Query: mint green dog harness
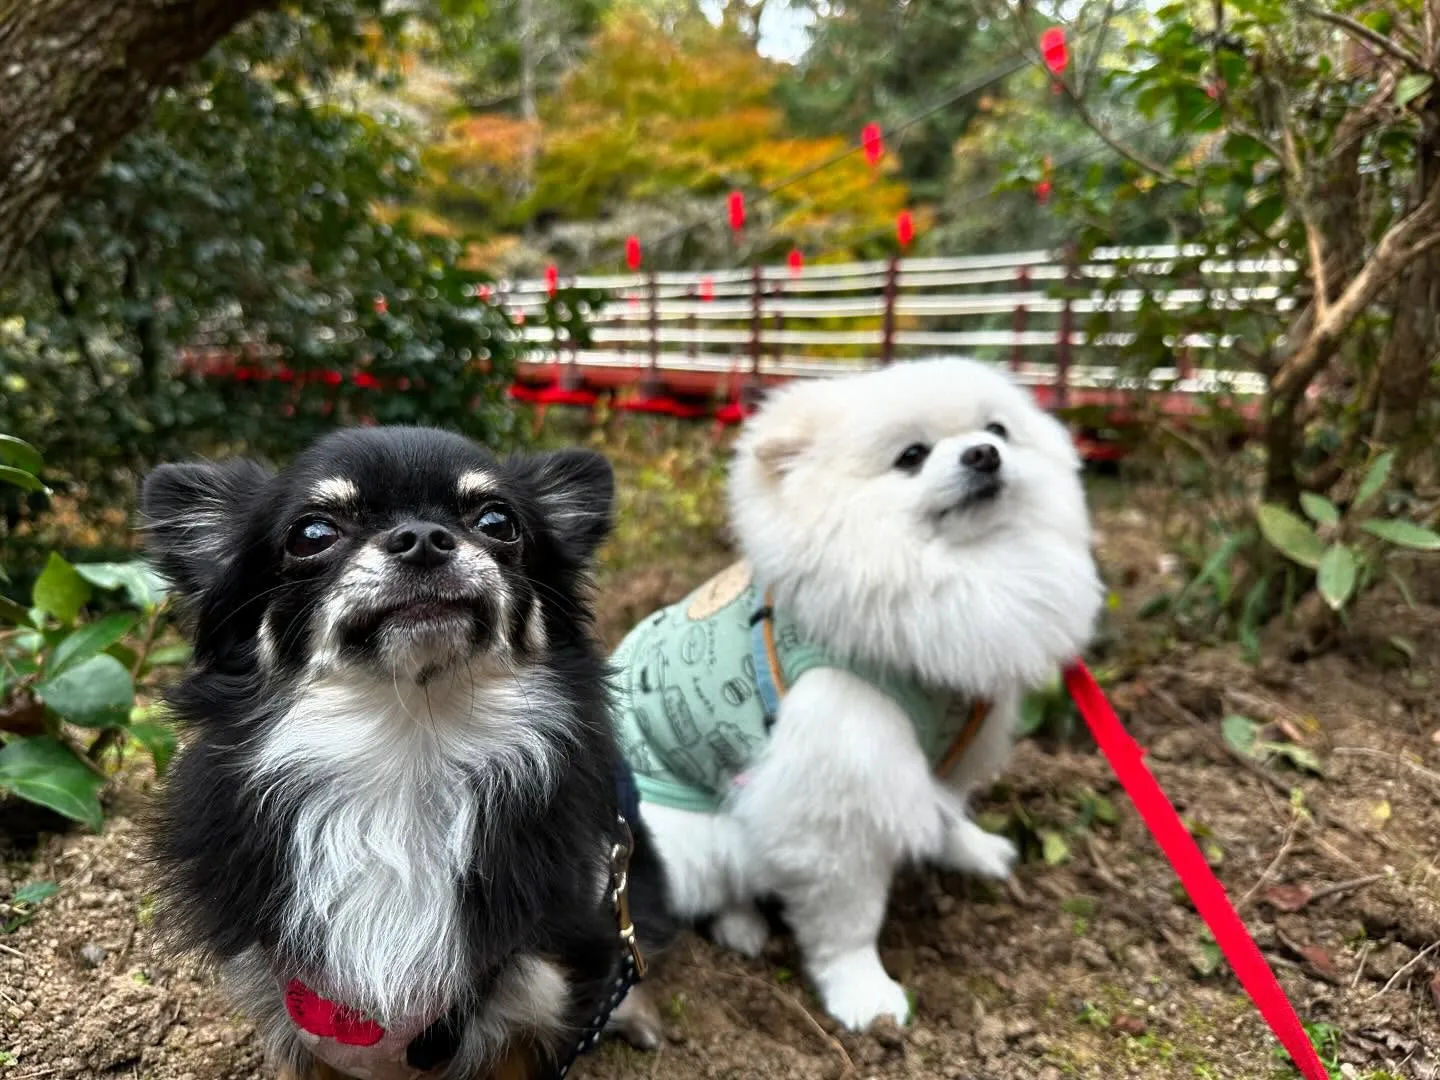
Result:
[700,684]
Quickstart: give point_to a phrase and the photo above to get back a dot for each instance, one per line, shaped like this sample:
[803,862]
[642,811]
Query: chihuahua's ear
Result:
[194,517]
[576,493]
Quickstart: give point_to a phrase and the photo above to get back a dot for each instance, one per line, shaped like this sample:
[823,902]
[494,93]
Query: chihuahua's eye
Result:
[1000,431]
[912,457]
[311,536]
[498,523]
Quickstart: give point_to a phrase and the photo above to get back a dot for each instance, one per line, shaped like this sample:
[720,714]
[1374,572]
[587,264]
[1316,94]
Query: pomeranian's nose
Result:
[421,544]
[982,458]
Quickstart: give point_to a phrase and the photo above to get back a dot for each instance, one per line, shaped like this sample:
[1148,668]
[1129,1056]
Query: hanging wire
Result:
[967,89]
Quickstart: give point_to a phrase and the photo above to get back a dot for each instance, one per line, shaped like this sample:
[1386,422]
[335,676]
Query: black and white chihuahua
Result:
[395,821]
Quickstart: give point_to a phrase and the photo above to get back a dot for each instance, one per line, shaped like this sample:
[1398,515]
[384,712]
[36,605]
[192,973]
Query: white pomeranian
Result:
[916,554]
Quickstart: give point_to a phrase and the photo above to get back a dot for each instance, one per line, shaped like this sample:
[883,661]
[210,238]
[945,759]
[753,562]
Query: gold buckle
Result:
[620,897]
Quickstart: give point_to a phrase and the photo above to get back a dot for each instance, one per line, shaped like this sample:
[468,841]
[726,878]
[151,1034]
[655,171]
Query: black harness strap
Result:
[632,960]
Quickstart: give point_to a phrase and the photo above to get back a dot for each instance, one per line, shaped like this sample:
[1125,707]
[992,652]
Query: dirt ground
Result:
[1091,964]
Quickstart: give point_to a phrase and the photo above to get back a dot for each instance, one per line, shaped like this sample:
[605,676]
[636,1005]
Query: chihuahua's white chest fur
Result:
[389,780]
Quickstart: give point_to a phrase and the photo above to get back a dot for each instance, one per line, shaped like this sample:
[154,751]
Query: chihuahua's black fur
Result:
[398,782]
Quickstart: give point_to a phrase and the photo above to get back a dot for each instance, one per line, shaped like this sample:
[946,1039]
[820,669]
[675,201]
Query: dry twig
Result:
[796,1007]
[1409,964]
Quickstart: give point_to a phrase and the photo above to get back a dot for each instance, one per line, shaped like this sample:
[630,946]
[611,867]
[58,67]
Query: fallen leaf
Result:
[1381,813]
[1287,897]
[1125,1024]
[1435,990]
[1054,848]
[1435,736]
[1320,961]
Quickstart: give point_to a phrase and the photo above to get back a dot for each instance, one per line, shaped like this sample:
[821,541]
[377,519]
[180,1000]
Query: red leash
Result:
[1125,756]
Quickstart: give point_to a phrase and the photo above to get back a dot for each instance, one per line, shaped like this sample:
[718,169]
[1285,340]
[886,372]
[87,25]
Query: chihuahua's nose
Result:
[421,543]
[982,457]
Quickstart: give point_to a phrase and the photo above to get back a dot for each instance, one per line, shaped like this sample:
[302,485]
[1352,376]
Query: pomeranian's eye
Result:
[912,457]
[311,536]
[998,430]
[498,523]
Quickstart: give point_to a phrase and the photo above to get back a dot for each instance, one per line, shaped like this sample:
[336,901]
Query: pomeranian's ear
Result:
[778,450]
[576,492]
[194,515]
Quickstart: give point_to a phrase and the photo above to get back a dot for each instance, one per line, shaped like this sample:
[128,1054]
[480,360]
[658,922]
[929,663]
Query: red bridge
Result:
[705,345]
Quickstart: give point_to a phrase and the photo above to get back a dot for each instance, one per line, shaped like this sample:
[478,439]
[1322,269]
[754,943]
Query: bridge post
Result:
[757,322]
[1067,327]
[654,324]
[692,350]
[1017,350]
[887,333]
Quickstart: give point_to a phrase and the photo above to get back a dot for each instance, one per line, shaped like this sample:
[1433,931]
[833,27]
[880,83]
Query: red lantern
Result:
[552,279]
[1043,188]
[1054,50]
[796,261]
[707,289]
[905,228]
[632,252]
[873,141]
[737,210]
[485,293]
[381,305]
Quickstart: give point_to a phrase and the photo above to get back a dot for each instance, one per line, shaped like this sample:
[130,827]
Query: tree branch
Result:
[1313,240]
[1371,37]
[1133,156]
[1391,255]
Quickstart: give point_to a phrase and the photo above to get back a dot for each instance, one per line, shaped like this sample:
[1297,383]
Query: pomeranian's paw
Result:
[637,1020]
[742,929]
[972,850]
[856,991]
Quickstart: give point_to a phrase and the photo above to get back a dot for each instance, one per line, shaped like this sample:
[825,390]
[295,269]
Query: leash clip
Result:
[620,895]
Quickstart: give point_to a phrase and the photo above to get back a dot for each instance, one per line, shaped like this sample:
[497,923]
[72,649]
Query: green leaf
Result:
[1244,148]
[1375,478]
[1251,612]
[1215,565]
[90,640]
[1403,645]
[1032,715]
[44,770]
[21,479]
[1298,756]
[1404,587]
[35,892]
[60,591]
[1240,733]
[1319,509]
[142,586]
[24,903]
[1267,211]
[168,656]
[158,739]
[1289,535]
[97,693]
[1411,87]
[1336,579]
[20,454]
[1054,848]
[1404,534]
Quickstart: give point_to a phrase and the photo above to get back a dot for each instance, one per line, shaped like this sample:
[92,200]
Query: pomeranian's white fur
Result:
[925,569]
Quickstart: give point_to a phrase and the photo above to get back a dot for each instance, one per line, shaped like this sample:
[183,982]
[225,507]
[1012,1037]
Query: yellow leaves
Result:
[483,255]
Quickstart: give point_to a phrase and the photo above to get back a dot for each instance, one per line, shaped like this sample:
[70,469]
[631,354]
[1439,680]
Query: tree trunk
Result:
[75,77]
[1411,352]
